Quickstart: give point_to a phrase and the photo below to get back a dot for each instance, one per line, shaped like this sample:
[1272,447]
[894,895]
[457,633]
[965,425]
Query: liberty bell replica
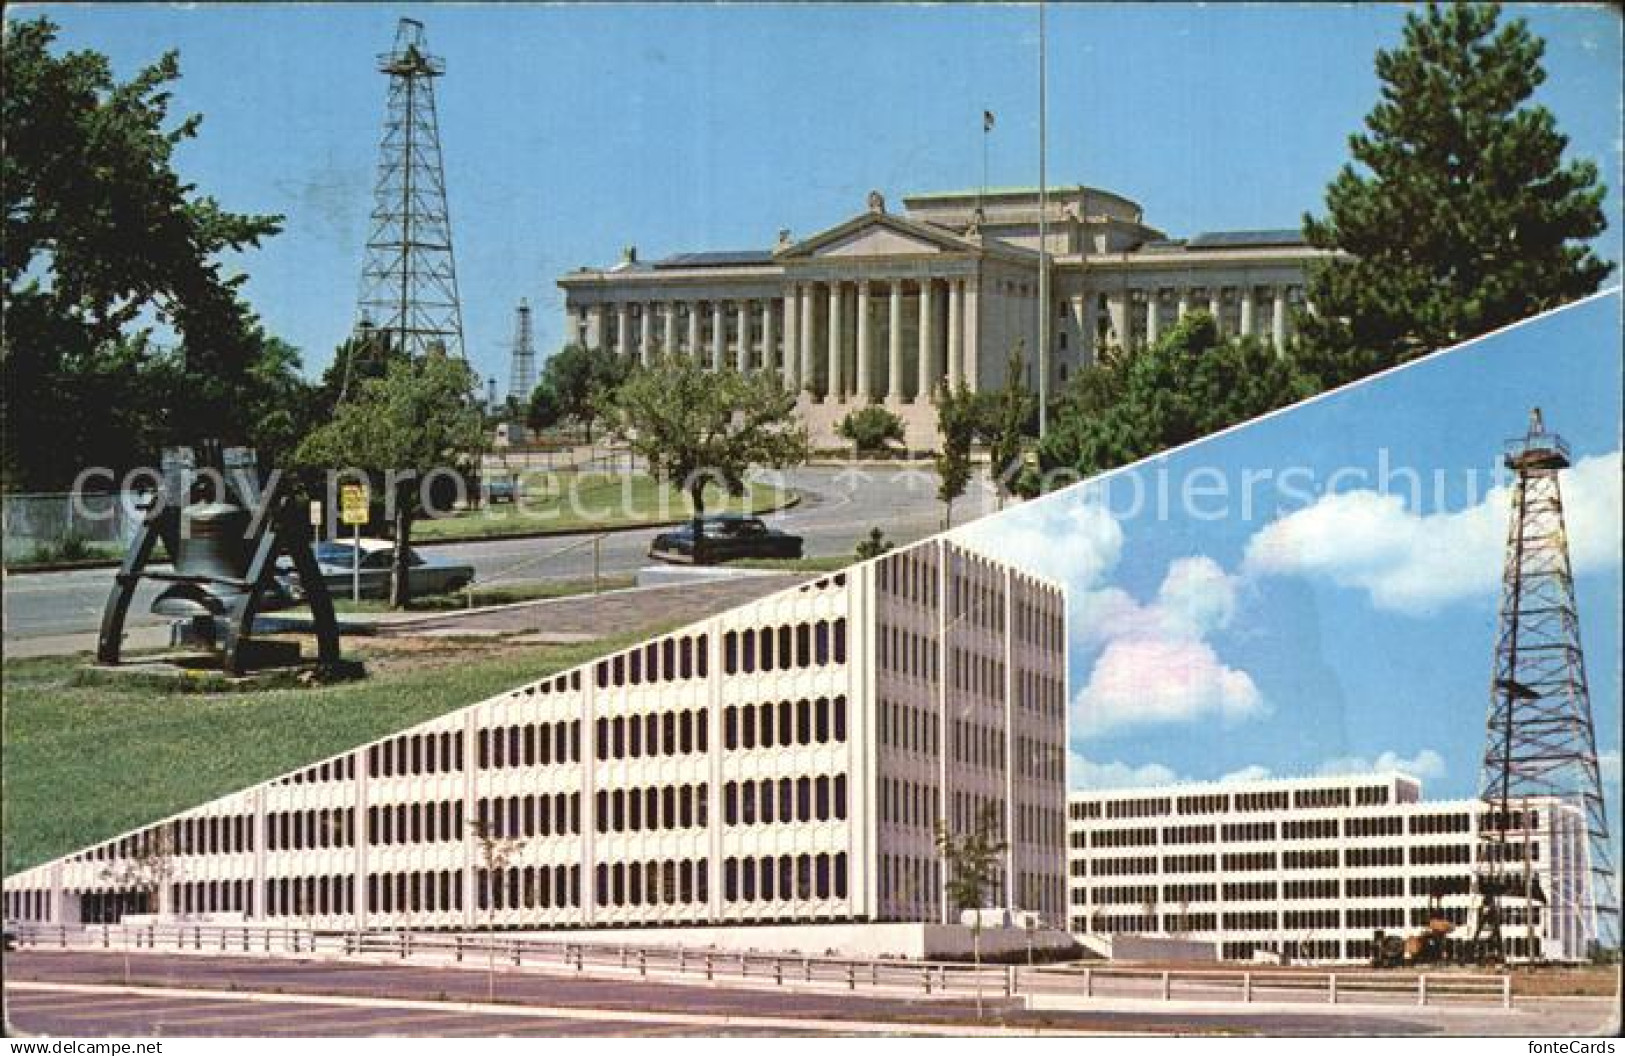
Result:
[224,526]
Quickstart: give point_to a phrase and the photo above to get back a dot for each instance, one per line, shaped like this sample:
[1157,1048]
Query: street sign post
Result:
[353,509]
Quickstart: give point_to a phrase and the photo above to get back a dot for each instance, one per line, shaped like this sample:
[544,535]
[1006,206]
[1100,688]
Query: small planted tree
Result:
[1009,420]
[418,419]
[496,854]
[871,428]
[697,428]
[972,862]
[957,416]
[147,872]
[873,545]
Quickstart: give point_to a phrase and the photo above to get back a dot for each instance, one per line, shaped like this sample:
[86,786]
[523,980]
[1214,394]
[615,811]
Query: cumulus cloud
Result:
[1425,763]
[1086,773]
[1074,542]
[1253,772]
[1414,563]
[1141,681]
[1155,664]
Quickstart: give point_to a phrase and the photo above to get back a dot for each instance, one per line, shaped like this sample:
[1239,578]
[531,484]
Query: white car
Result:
[425,575]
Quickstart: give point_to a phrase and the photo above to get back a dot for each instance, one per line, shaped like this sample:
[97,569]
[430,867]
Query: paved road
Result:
[558,1005]
[838,507]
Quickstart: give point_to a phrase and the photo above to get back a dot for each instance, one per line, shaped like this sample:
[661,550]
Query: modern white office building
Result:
[783,762]
[886,307]
[1312,868]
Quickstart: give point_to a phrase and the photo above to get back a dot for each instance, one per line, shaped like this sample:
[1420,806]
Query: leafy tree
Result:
[695,427]
[543,410]
[870,428]
[580,378]
[148,871]
[957,417]
[103,241]
[368,353]
[1188,385]
[1458,214]
[971,863]
[1009,418]
[419,418]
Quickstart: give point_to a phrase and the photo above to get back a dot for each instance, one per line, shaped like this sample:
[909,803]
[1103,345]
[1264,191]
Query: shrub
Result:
[871,428]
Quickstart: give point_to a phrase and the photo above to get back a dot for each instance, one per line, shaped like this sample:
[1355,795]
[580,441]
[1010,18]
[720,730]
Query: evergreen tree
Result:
[1458,214]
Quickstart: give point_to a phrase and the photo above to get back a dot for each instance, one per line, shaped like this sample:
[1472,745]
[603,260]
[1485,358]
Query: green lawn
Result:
[576,501]
[83,762]
[796,564]
[483,596]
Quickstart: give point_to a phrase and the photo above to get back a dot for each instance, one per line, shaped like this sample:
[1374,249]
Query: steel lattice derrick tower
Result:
[1540,739]
[409,279]
[522,375]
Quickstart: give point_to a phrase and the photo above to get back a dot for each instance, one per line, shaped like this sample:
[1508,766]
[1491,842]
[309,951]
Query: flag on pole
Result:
[987,121]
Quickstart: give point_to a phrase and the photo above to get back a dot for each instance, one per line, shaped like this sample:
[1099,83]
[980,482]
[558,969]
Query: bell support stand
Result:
[229,597]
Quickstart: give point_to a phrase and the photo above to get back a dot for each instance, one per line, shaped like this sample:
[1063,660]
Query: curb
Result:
[384,626]
[790,503]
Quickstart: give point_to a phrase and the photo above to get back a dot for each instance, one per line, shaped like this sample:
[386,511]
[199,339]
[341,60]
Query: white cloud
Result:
[1086,773]
[1140,681]
[1414,563]
[1425,763]
[1156,666]
[1073,542]
[1196,597]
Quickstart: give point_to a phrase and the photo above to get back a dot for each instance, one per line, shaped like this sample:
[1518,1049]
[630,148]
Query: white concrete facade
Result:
[769,765]
[1313,867]
[887,308]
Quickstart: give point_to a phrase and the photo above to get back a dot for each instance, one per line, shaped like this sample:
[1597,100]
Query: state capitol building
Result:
[887,307]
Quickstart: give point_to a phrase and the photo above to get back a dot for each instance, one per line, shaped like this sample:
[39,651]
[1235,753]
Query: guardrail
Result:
[1249,986]
[926,978]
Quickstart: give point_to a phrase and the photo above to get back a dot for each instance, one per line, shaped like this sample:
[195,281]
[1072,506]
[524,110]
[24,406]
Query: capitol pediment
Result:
[877,235]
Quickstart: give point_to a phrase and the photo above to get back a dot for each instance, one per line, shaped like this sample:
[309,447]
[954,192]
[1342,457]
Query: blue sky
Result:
[1334,629]
[570,131]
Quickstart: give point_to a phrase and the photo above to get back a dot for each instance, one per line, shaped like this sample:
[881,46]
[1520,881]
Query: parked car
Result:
[335,558]
[501,489]
[727,537]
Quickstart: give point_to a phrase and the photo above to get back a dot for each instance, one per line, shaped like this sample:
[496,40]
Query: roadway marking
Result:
[588,1015]
[44,1003]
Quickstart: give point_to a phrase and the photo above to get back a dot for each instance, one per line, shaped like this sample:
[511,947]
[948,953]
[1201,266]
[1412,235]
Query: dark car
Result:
[724,538]
[425,575]
[501,489]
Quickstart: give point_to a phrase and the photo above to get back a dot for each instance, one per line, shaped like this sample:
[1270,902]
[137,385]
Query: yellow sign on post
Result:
[353,510]
[353,503]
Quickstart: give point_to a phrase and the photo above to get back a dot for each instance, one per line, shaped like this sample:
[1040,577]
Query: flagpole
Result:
[1044,312]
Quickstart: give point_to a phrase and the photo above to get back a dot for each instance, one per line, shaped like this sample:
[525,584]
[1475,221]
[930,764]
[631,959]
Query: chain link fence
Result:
[44,527]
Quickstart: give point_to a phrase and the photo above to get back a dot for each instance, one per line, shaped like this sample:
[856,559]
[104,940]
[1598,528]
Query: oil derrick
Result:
[1540,741]
[409,280]
[522,375]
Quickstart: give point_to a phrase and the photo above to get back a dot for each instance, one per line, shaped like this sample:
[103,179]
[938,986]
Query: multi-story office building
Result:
[886,308]
[1312,868]
[782,762]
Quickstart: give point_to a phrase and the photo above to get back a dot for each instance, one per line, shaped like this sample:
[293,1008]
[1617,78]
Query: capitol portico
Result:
[887,308]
